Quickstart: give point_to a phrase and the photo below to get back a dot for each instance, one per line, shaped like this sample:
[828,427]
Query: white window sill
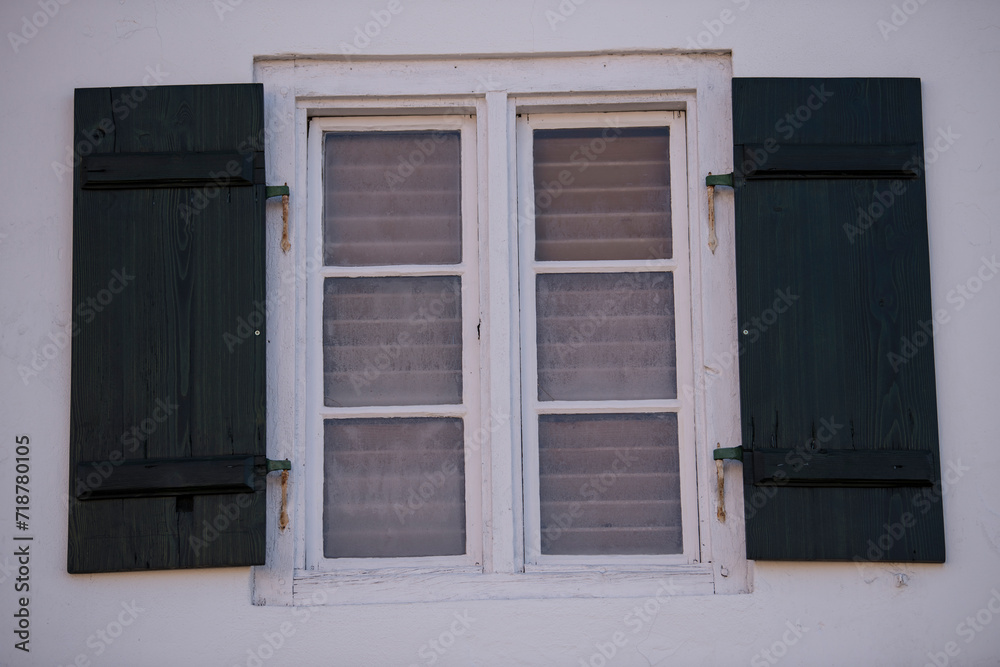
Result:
[409,585]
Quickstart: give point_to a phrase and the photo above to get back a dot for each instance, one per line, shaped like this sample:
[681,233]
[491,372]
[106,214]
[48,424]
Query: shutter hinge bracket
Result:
[284,465]
[720,454]
[719,179]
[280,464]
[281,191]
[731,453]
[711,181]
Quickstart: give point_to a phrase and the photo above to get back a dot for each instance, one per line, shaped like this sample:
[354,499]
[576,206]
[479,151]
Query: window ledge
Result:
[408,585]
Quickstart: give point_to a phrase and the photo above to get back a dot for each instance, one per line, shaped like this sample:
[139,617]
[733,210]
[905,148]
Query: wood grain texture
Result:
[154,374]
[826,296]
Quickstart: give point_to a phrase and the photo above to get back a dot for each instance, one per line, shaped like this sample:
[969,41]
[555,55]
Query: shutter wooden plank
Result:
[97,403]
[231,412]
[154,375]
[826,298]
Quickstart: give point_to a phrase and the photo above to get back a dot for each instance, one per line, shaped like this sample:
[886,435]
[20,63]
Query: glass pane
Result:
[609,484]
[602,193]
[392,341]
[606,336]
[393,487]
[392,198]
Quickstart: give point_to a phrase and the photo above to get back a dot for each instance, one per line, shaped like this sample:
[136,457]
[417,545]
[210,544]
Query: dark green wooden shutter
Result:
[167,433]
[840,431]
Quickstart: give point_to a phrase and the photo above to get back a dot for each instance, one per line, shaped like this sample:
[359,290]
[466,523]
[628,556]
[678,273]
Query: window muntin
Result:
[605,340]
[393,358]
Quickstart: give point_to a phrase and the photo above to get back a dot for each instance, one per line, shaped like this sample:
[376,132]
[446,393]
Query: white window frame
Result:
[317,412]
[677,265]
[495,89]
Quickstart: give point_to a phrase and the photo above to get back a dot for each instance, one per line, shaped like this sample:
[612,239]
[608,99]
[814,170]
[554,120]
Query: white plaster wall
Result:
[205,617]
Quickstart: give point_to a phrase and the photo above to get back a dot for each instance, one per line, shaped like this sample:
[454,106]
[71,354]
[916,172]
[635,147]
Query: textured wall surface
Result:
[815,614]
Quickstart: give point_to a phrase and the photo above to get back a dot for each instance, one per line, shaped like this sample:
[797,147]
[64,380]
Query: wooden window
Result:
[631,229]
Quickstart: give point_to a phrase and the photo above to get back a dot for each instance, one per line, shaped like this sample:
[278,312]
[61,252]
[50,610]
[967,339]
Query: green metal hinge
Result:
[732,453]
[719,179]
[281,464]
[275,191]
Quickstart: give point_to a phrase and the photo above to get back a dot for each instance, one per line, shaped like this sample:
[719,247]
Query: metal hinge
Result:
[278,464]
[719,179]
[284,465]
[283,192]
[711,181]
[720,454]
[728,453]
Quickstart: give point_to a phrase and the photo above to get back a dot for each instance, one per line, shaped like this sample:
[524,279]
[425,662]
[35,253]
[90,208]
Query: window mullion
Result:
[499,360]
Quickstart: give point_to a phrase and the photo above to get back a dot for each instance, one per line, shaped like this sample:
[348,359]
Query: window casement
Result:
[395,317]
[393,344]
[605,310]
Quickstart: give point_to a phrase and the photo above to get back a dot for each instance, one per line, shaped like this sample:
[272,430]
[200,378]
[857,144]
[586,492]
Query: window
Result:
[604,317]
[506,397]
[519,395]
